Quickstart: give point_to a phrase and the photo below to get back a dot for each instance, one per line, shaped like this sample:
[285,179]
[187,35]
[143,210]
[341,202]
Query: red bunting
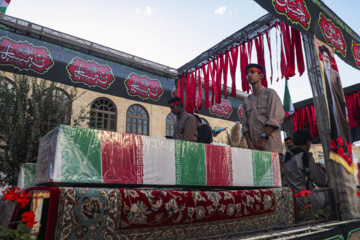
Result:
[220,66]
[311,127]
[355,106]
[350,107]
[249,50]
[282,57]
[206,84]
[296,40]
[269,46]
[313,119]
[289,50]
[193,92]
[199,96]
[188,94]
[259,45]
[233,65]
[225,73]
[277,28]
[178,86]
[213,84]
[304,119]
[243,63]
[295,120]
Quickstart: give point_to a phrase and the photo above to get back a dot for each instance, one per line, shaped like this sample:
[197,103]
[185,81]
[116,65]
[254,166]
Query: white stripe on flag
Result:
[242,167]
[159,161]
[4,3]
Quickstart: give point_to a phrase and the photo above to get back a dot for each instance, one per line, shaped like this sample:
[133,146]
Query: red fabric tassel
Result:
[269,46]
[178,87]
[278,32]
[282,57]
[356,101]
[206,84]
[243,63]
[193,91]
[225,73]
[220,66]
[249,50]
[199,97]
[295,123]
[304,118]
[311,127]
[259,45]
[296,39]
[313,119]
[213,82]
[350,105]
[233,65]
[289,50]
[188,93]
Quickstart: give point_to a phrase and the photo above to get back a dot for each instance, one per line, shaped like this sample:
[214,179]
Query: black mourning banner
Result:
[27,56]
[313,17]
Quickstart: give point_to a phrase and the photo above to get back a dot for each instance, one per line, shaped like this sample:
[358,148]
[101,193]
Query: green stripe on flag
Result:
[262,168]
[81,154]
[3,9]
[190,163]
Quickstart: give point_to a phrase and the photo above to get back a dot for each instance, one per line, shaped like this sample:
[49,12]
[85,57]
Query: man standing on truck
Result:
[185,126]
[262,116]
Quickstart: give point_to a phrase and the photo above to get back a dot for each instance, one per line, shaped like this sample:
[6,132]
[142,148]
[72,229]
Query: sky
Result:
[168,32]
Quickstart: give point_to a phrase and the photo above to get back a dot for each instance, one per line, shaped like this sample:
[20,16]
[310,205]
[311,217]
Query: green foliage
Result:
[21,232]
[30,108]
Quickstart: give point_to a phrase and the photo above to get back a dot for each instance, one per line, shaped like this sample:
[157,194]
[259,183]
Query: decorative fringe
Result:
[335,157]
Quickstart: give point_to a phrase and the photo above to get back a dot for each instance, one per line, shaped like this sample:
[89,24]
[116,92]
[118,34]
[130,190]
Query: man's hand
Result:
[259,145]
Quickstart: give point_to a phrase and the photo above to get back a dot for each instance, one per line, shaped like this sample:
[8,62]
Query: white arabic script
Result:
[9,55]
[81,74]
[335,38]
[137,88]
[293,9]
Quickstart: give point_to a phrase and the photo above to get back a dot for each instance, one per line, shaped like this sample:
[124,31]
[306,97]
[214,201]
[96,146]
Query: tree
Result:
[30,108]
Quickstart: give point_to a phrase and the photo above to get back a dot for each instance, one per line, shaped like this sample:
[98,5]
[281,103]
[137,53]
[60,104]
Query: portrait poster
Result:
[340,142]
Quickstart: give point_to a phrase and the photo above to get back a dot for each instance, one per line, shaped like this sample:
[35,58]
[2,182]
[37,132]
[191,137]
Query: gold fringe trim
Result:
[335,157]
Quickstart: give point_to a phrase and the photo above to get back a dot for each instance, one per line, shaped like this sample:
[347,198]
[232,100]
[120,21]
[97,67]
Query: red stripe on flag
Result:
[218,165]
[122,158]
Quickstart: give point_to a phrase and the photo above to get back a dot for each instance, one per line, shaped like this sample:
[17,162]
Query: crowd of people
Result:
[262,117]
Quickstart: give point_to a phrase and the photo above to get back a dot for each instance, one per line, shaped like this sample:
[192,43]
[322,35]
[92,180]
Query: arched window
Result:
[169,125]
[137,120]
[103,114]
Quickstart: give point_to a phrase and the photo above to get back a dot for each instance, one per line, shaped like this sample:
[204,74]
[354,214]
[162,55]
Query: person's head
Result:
[198,121]
[326,56]
[176,106]
[289,142]
[302,138]
[254,73]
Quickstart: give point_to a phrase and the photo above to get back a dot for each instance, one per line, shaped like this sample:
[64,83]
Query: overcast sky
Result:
[168,32]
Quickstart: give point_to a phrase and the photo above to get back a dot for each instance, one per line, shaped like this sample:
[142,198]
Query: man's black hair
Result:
[288,138]
[325,49]
[198,118]
[301,137]
[258,66]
